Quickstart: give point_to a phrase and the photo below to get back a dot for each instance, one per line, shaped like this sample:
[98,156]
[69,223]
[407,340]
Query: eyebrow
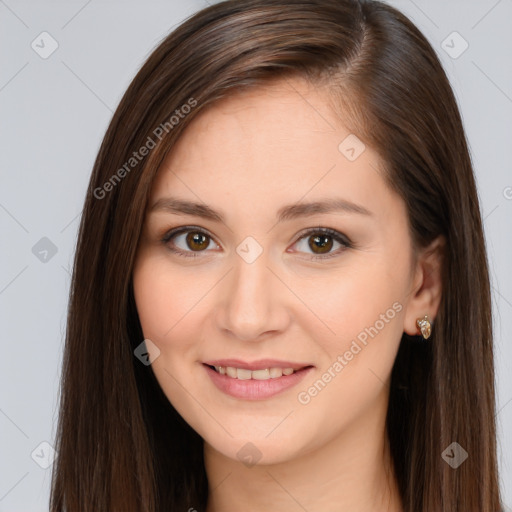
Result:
[292,211]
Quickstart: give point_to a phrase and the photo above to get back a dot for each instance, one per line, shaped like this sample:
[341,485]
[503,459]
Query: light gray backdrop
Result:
[64,67]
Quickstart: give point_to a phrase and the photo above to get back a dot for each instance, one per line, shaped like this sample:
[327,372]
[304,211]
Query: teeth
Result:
[275,373]
[244,374]
[261,374]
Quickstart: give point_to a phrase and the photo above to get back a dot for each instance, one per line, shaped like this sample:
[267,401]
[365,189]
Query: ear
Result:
[426,287]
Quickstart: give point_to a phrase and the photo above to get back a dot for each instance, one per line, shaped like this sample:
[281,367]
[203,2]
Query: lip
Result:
[260,364]
[252,389]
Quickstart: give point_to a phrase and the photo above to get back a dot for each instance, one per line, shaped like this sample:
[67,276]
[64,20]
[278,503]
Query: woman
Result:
[280,296]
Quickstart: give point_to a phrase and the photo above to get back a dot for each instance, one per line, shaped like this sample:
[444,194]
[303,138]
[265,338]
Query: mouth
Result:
[274,372]
[255,381]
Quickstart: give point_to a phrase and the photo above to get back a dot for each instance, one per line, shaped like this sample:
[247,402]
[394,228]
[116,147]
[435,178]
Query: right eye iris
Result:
[200,240]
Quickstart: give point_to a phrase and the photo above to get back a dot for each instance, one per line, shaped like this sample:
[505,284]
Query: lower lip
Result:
[252,389]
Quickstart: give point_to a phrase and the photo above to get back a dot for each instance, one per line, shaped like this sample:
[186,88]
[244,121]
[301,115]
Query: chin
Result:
[253,448]
[255,452]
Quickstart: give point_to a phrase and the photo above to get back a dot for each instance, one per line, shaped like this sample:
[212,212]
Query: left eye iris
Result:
[322,242]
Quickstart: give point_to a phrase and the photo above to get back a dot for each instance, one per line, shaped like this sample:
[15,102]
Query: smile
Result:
[244,374]
[255,381]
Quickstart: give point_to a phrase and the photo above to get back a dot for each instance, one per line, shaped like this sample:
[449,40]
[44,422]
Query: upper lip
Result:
[261,364]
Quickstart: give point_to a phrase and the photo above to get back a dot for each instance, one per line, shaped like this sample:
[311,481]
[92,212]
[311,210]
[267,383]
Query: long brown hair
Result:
[121,445]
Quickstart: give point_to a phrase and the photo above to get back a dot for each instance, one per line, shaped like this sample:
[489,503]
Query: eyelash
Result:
[337,236]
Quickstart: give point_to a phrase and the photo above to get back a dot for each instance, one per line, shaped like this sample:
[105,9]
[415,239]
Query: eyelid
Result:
[183,229]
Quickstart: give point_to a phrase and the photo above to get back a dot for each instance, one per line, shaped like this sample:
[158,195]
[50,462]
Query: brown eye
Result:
[197,241]
[320,244]
[187,241]
[190,242]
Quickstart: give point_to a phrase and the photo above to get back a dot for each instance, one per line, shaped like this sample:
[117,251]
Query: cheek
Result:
[339,306]
[155,307]
[165,300]
[361,311]
[358,358]
[166,305]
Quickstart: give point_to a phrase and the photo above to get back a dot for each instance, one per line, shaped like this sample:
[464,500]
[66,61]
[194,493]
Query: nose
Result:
[254,301]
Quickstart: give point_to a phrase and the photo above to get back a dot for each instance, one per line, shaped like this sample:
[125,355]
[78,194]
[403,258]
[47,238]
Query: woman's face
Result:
[253,283]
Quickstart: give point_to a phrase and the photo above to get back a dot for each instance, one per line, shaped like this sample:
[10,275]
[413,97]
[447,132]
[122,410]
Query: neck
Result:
[352,472]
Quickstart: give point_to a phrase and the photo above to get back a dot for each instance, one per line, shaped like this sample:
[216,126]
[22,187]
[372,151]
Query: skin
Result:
[247,156]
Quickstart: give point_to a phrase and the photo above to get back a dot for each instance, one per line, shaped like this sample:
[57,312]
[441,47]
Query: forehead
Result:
[268,145]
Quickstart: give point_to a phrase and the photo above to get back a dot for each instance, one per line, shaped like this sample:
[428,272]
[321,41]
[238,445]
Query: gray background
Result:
[54,112]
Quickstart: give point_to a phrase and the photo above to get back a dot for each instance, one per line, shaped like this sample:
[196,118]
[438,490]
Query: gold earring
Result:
[424,326]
